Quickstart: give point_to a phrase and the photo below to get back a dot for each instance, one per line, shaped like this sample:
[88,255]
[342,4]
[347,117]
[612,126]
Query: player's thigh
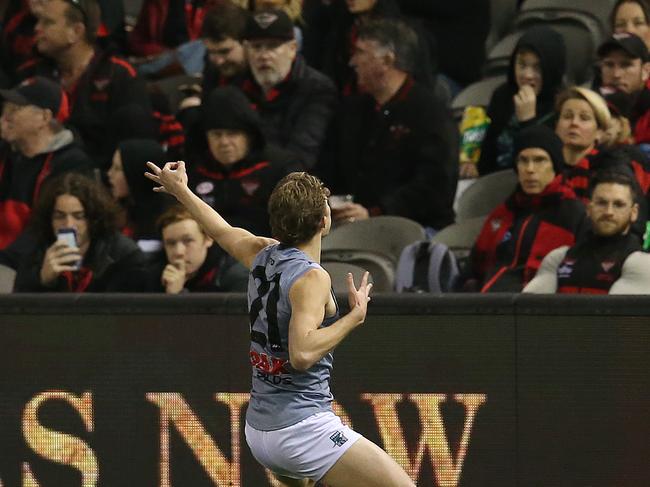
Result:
[289,482]
[366,464]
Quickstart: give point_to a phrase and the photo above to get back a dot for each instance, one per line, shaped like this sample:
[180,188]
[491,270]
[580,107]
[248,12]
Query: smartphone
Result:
[69,237]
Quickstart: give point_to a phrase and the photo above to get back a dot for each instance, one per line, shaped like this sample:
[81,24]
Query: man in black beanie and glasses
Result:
[539,216]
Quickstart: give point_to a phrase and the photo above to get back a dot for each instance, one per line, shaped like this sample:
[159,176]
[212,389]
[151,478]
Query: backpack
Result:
[426,267]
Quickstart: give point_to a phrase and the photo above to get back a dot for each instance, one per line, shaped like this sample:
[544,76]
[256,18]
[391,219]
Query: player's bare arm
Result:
[238,242]
[309,296]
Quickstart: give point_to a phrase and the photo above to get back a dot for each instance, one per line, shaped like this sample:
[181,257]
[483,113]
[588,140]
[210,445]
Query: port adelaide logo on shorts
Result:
[338,438]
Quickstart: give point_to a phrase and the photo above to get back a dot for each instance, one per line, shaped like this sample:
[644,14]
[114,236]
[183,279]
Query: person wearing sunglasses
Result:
[97,82]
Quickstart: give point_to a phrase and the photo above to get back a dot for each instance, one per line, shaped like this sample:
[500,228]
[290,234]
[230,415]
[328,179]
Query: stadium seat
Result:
[381,268]
[460,237]
[597,11]
[489,191]
[383,235]
[338,271]
[7,277]
[502,14]
[498,58]
[478,94]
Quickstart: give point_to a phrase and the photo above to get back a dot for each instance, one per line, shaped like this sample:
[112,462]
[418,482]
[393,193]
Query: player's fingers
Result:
[364,280]
[351,286]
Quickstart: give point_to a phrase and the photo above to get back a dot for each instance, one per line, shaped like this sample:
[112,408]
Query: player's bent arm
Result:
[308,343]
[635,275]
[545,281]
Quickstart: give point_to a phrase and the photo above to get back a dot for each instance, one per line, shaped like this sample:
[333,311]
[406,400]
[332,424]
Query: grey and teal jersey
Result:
[281,396]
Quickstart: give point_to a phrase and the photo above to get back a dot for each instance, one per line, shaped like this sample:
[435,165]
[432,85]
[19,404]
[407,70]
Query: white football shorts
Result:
[305,450]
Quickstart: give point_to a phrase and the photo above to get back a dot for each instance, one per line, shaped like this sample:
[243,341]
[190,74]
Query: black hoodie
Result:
[496,150]
[240,191]
[143,205]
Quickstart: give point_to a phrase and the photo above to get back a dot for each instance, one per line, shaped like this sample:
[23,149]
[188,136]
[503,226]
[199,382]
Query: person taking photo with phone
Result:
[76,246]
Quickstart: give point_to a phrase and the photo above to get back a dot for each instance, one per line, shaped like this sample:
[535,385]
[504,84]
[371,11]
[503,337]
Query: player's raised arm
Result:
[239,243]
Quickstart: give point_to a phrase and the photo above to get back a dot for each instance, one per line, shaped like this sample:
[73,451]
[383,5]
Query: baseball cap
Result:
[629,43]
[40,92]
[269,24]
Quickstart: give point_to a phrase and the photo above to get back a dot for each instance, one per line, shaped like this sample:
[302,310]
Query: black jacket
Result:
[108,83]
[397,159]
[21,179]
[297,112]
[112,264]
[497,148]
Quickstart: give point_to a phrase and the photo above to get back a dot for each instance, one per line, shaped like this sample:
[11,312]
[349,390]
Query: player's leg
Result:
[364,463]
[289,482]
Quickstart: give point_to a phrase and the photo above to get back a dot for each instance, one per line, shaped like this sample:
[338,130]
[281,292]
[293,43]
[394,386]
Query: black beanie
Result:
[541,137]
[228,108]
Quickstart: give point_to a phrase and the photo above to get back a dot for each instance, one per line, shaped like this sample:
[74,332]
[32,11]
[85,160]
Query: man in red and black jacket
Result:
[295,101]
[539,216]
[97,83]
[238,171]
[35,148]
[609,259]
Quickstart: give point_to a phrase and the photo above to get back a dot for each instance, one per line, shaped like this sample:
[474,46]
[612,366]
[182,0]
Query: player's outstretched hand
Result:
[172,178]
[358,298]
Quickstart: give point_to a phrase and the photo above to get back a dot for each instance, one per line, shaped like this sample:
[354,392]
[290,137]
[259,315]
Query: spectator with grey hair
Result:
[295,101]
[338,45]
[394,147]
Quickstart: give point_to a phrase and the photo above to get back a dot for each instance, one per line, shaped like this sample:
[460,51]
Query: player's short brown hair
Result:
[296,208]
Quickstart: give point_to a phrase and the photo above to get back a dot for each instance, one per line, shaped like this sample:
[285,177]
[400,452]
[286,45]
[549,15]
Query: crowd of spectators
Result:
[355,91]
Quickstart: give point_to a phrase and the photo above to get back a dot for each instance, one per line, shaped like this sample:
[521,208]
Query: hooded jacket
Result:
[143,205]
[519,233]
[239,192]
[496,149]
[21,179]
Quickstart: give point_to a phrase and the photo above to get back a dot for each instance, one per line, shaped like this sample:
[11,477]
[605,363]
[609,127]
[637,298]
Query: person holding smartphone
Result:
[76,246]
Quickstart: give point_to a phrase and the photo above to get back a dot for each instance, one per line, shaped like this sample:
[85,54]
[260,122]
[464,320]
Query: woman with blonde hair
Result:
[583,121]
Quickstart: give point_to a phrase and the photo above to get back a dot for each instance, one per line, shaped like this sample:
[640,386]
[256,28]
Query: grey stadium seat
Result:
[460,237]
[384,235]
[338,271]
[477,94]
[502,15]
[485,194]
[7,277]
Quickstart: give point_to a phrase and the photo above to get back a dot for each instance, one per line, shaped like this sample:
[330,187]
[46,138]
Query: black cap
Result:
[269,24]
[541,137]
[40,92]
[631,44]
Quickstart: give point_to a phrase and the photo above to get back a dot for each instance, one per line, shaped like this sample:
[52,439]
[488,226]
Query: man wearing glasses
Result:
[295,101]
[97,83]
[609,260]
